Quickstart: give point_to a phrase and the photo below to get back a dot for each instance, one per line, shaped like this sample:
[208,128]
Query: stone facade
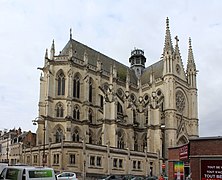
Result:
[88,97]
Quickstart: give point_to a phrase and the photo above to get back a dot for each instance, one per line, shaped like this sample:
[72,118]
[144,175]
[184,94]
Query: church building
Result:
[98,116]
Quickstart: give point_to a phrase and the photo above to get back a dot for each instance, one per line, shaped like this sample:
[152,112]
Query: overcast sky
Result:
[114,28]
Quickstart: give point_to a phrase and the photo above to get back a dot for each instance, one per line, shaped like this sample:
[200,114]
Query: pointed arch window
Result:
[59,110]
[136,142]
[90,116]
[144,145]
[61,84]
[90,90]
[146,116]
[134,116]
[76,113]
[75,136]
[120,140]
[119,111]
[90,137]
[76,87]
[59,135]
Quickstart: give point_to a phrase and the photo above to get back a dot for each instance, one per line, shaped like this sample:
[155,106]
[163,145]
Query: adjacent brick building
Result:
[201,157]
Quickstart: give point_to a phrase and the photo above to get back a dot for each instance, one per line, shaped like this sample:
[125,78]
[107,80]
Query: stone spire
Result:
[70,34]
[52,51]
[191,67]
[168,47]
[190,55]
[46,56]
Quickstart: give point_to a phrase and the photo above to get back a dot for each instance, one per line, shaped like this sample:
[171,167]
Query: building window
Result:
[115,162]
[144,142]
[59,110]
[59,135]
[134,164]
[134,116]
[98,161]
[138,165]
[56,159]
[28,159]
[90,116]
[136,142]
[76,87]
[61,84]
[119,111]
[146,116]
[72,159]
[120,140]
[90,90]
[120,163]
[101,101]
[90,137]
[35,159]
[75,136]
[76,113]
[92,160]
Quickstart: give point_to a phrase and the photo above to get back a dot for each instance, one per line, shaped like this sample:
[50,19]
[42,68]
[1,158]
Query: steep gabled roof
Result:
[79,49]
[156,69]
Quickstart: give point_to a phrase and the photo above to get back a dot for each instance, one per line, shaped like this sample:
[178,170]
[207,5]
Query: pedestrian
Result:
[161,177]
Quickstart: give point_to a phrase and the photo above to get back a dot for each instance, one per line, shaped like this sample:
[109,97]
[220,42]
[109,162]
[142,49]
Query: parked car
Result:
[67,175]
[151,178]
[138,178]
[28,173]
[111,177]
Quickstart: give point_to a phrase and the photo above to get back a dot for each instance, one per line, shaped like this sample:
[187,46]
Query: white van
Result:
[28,173]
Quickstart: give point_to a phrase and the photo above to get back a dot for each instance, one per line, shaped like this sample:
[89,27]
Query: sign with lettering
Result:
[211,169]
[183,152]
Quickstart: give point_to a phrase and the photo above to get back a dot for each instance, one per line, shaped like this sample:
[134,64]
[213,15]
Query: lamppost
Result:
[40,120]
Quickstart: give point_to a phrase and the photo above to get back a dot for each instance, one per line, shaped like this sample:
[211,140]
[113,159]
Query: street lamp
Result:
[40,120]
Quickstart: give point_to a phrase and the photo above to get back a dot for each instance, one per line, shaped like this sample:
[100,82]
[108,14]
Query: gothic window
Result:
[76,113]
[90,116]
[59,135]
[59,110]
[76,87]
[120,93]
[90,137]
[101,101]
[72,159]
[75,136]
[61,84]
[133,97]
[146,116]
[134,116]
[135,142]
[119,111]
[99,138]
[144,145]
[180,101]
[120,140]
[90,90]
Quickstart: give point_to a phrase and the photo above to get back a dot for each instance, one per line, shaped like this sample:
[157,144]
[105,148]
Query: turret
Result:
[137,61]
[191,67]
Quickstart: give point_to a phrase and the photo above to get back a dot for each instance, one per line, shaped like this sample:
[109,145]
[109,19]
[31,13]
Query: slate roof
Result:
[79,49]
[156,69]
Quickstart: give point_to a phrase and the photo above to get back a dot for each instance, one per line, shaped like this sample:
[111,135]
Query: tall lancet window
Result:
[120,140]
[90,90]
[59,110]
[59,135]
[61,84]
[76,113]
[76,87]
